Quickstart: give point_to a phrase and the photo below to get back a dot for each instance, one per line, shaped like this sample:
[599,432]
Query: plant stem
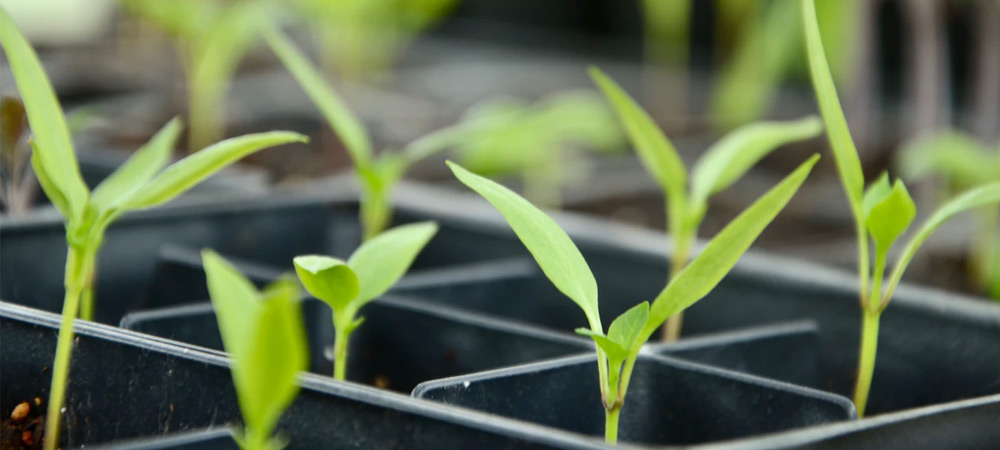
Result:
[863,262]
[611,425]
[87,299]
[866,360]
[678,260]
[342,323]
[79,263]
[984,244]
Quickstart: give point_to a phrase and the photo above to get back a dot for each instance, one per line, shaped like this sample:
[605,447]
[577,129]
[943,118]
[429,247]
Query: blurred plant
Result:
[347,286]
[717,169]
[212,37]
[883,211]
[539,142]
[563,264]
[134,186]
[377,175]
[666,30]
[263,334]
[961,162]
[359,38]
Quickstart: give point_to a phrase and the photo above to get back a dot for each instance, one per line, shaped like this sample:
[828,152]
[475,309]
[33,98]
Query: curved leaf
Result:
[844,151]
[188,172]
[328,279]
[51,190]
[719,256]
[890,217]
[384,259]
[627,328]
[234,299]
[554,251]
[615,351]
[48,125]
[141,167]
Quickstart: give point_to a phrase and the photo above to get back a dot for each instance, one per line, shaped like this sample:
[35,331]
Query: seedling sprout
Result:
[138,184]
[348,286]
[717,169]
[882,212]
[565,266]
[266,341]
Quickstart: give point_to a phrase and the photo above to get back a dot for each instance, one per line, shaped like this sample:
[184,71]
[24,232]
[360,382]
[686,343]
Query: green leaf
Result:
[51,191]
[234,299]
[615,351]
[554,251]
[719,256]
[384,259]
[730,158]
[328,279]
[876,193]
[889,218]
[844,152]
[141,167]
[267,380]
[955,155]
[188,172]
[971,199]
[655,150]
[626,329]
[341,120]
[48,126]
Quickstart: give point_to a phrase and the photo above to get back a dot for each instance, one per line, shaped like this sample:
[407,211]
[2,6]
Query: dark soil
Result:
[22,428]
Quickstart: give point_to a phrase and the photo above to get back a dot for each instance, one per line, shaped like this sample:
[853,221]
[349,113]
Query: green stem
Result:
[863,263]
[79,263]
[984,244]
[611,425]
[619,385]
[866,360]
[678,261]
[87,300]
[342,323]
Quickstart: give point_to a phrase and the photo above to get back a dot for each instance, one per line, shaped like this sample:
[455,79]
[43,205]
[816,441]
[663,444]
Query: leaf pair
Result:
[371,271]
[265,338]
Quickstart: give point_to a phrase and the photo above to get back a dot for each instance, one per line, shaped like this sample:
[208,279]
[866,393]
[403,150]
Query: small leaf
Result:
[141,167]
[234,299]
[655,150]
[730,158]
[48,126]
[554,251]
[876,193]
[889,218]
[719,256]
[615,351]
[341,120]
[844,151]
[277,351]
[384,259]
[626,329]
[328,279]
[190,171]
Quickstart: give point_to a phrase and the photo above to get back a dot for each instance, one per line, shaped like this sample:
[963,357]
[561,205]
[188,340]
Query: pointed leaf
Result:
[328,279]
[890,218]
[844,151]
[655,150]
[384,259]
[141,167]
[626,329]
[615,351]
[876,193]
[48,126]
[554,251]
[341,119]
[730,158]
[190,171]
[51,191]
[234,299]
[719,256]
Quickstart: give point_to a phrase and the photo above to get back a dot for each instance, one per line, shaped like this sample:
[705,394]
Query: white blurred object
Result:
[61,22]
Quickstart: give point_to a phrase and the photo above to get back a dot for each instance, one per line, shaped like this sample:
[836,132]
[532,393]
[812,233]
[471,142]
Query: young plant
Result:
[961,162]
[882,212]
[137,184]
[717,169]
[266,342]
[379,174]
[565,266]
[540,142]
[212,37]
[368,273]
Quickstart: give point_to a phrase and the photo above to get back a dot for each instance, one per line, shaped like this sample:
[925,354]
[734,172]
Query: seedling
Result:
[377,175]
[211,37]
[883,211]
[360,38]
[368,273]
[961,162]
[266,341]
[717,169]
[134,186]
[541,142]
[565,266]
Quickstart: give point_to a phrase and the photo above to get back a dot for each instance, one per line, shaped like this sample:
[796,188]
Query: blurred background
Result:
[919,80]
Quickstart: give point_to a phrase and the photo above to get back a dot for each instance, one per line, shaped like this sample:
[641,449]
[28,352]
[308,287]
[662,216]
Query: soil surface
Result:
[22,427]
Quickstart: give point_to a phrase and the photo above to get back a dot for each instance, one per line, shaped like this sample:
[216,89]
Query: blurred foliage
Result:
[360,38]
